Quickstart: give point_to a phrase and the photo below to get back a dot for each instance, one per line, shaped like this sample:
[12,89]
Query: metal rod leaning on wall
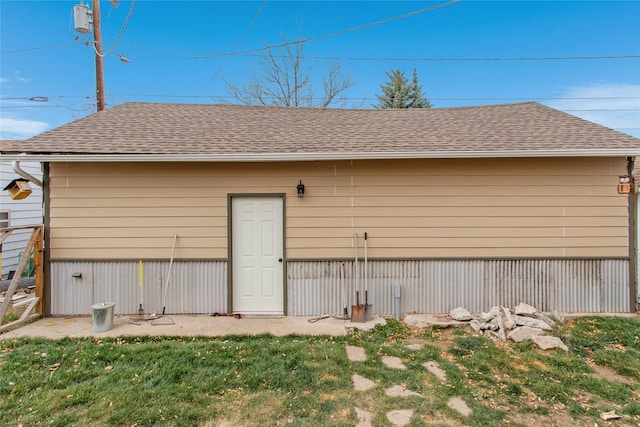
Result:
[166,290]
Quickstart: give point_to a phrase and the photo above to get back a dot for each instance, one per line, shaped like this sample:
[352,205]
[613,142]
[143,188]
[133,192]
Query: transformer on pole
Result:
[82,20]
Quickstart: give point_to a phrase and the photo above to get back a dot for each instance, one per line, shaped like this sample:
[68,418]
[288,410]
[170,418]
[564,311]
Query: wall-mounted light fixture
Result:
[300,188]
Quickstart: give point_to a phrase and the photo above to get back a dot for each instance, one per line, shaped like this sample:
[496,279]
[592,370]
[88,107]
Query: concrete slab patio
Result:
[189,325]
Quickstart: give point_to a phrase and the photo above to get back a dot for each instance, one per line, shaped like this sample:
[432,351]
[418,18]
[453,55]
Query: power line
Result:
[523,58]
[357,99]
[235,46]
[536,98]
[77,110]
[362,99]
[6,52]
[300,41]
[151,95]
[434,99]
[606,109]
[62,106]
[117,40]
[323,36]
[389,59]
[212,55]
[30,98]
[352,29]
[124,25]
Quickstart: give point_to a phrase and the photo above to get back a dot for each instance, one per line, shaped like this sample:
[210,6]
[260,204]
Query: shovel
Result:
[345,313]
[368,308]
[357,311]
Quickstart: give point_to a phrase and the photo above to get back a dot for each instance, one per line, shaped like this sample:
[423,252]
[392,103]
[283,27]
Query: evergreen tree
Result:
[397,92]
[417,98]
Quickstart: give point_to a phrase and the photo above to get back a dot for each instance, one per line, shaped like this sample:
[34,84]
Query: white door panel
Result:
[257,228]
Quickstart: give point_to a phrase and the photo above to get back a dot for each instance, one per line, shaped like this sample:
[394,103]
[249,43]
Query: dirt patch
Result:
[521,367]
[557,419]
[440,420]
[443,339]
[608,374]
[328,377]
[540,365]
[616,347]
[327,397]
[440,338]
[414,340]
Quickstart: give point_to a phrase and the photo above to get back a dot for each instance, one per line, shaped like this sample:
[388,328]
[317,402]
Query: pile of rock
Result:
[522,323]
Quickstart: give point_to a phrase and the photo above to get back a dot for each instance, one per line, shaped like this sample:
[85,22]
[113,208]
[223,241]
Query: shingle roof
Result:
[8,144]
[177,129]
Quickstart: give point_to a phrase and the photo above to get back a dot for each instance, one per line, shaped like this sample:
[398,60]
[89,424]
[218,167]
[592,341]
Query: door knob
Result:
[279,259]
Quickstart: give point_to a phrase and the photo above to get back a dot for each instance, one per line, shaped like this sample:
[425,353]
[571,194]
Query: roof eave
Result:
[297,157]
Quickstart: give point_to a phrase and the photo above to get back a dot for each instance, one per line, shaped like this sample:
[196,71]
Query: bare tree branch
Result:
[334,85]
[285,79]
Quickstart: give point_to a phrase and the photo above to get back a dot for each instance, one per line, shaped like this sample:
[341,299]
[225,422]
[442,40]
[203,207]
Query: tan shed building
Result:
[472,207]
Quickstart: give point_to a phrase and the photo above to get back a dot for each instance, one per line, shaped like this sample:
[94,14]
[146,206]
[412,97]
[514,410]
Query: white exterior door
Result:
[257,265]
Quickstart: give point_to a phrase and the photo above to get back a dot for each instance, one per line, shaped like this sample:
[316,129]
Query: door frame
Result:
[230,197]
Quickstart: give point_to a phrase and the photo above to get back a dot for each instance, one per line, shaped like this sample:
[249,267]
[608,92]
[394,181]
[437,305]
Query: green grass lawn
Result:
[300,380]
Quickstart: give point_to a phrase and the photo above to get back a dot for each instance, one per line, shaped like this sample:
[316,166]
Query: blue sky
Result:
[174,47]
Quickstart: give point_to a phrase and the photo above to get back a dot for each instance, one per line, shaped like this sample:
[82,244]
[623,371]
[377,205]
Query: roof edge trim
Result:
[296,157]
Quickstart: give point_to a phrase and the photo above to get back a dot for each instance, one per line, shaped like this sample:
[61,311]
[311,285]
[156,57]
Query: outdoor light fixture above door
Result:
[300,188]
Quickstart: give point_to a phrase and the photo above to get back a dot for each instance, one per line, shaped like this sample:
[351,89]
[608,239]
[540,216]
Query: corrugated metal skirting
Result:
[437,286]
[319,287]
[196,286]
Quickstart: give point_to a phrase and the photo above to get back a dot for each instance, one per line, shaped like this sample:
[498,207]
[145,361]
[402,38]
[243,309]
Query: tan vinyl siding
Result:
[434,208]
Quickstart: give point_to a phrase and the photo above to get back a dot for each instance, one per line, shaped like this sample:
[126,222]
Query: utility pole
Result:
[97,39]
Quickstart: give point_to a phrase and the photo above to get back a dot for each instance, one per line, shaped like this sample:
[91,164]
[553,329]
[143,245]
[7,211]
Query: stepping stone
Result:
[400,417]
[414,347]
[364,417]
[393,362]
[400,391]
[356,354]
[435,370]
[459,405]
[361,383]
